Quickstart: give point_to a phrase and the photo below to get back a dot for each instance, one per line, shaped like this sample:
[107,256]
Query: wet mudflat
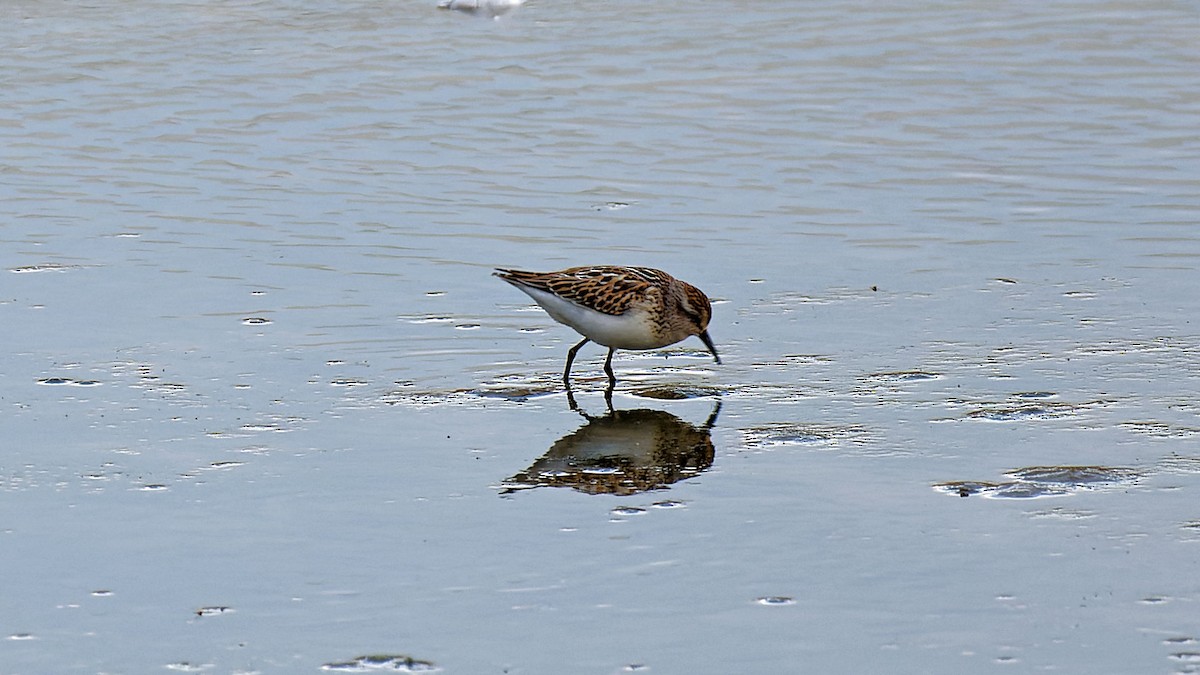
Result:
[265,410]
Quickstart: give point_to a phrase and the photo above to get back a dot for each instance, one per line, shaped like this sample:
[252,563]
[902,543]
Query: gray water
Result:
[265,411]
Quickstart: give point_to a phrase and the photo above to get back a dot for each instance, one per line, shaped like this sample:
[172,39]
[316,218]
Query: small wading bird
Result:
[618,307]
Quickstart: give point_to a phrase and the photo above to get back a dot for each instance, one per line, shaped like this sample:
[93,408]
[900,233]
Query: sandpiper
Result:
[618,307]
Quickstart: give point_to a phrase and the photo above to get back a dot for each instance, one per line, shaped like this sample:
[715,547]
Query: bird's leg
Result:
[571,359]
[571,402]
[612,379]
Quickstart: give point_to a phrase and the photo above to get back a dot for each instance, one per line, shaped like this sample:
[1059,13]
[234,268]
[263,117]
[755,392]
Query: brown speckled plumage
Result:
[606,289]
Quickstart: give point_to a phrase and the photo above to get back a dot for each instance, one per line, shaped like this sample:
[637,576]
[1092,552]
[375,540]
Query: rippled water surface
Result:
[265,411]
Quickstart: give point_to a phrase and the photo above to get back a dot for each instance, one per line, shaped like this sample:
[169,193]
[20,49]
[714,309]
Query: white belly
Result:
[631,330]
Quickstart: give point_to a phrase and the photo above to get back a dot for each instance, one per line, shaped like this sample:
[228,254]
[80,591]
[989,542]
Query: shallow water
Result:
[265,410]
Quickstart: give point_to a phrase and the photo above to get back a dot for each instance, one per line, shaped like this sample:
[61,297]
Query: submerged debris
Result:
[392,663]
[777,434]
[1043,481]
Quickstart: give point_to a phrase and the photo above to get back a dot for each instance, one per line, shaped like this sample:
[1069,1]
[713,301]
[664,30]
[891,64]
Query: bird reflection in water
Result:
[622,452]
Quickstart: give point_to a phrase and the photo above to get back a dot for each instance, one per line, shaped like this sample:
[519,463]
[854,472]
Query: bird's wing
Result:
[608,289]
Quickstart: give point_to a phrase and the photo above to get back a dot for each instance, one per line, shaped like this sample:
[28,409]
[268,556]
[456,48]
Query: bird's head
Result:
[695,306]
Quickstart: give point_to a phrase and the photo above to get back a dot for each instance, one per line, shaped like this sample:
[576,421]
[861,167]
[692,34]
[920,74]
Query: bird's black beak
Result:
[708,343]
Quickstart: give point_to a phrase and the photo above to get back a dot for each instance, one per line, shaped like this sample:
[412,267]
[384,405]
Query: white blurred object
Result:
[492,8]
